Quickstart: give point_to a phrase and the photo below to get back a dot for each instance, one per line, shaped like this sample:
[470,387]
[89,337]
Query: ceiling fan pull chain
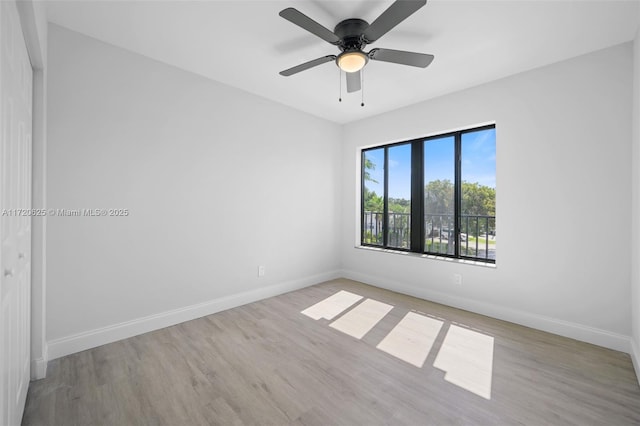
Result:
[340,84]
[362,86]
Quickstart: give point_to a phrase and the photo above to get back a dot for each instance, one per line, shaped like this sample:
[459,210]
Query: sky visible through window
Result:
[478,163]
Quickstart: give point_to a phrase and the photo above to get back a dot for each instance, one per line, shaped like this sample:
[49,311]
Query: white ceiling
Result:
[245,43]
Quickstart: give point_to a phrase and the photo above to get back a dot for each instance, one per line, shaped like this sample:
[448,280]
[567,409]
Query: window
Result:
[432,195]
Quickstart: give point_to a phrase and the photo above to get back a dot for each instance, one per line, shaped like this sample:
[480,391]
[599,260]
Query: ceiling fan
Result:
[352,35]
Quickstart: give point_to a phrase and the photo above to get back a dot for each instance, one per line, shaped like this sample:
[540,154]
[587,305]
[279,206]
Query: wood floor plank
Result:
[268,364]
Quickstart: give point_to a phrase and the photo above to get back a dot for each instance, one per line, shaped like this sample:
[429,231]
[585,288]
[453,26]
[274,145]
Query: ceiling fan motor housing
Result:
[350,32]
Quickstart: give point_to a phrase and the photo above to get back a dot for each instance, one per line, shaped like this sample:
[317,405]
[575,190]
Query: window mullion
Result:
[457,193]
[385,218]
[362,193]
[417,196]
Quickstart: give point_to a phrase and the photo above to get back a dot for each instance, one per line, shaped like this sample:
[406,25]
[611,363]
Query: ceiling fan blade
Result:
[308,65]
[402,57]
[396,13]
[353,81]
[303,21]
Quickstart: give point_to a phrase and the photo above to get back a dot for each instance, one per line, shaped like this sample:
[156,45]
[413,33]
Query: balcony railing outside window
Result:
[373,229]
[399,227]
[477,233]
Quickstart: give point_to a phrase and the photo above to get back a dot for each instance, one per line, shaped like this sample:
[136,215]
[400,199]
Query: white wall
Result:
[217,182]
[635,212]
[563,205]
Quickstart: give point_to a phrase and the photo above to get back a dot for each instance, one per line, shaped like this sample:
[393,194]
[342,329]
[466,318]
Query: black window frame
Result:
[417,228]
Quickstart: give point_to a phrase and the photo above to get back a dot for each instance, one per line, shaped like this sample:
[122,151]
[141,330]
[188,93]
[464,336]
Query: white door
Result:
[15,215]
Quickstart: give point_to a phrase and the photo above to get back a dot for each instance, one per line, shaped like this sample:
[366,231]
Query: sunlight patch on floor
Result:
[358,321]
[411,340]
[467,358]
[332,305]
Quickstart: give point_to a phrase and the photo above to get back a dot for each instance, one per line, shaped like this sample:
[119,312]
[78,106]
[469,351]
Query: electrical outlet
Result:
[457,279]
[261,271]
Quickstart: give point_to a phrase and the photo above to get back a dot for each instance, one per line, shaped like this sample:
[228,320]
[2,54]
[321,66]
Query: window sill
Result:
[428,256]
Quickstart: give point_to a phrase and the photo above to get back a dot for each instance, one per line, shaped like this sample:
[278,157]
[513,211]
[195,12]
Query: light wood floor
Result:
[266,363]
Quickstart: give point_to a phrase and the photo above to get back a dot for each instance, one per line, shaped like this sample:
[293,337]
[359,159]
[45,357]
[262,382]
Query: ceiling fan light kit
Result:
[352,35]
[352,61]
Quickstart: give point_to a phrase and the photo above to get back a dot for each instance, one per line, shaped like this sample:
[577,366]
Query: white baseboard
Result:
[90,339]
[575,331]
[635,357]
[39,365]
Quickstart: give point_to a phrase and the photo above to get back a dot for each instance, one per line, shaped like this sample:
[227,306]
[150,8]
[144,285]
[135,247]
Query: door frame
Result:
[33,20]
